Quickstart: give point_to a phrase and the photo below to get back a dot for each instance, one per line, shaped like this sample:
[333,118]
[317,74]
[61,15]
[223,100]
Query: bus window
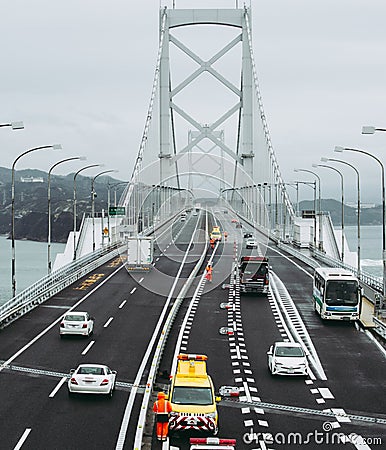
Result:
[341,293]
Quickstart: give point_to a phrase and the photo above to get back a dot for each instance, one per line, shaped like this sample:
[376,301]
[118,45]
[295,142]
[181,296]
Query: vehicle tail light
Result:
[212,440]
[104,382]
[84,325]
[73,381]
[62,325]
[187,357]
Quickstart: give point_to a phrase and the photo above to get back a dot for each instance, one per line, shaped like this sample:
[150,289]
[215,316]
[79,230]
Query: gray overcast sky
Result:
[79,73]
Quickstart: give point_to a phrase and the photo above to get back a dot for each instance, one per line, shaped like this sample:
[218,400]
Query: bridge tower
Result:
[194,132]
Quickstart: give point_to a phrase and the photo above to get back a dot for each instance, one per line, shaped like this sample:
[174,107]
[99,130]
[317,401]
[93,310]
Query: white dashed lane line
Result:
[88,347]
[140,281]
[57,387]
[23,438]
[133,290]
[108,322]
[122,304]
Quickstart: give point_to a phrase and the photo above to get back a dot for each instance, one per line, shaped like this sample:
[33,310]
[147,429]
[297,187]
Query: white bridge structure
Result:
[206,134]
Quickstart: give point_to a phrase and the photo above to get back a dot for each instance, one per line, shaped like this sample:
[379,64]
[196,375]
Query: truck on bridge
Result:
[192,396]
[254,274]
[139,253]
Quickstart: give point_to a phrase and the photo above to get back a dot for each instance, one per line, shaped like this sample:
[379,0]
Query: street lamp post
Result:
[74,202]
[80,158]
[93,204]
[358,209]
[371,130]
[342,149]
[109,186]
[13,275]
[14,125]
[319,208]
[342,203]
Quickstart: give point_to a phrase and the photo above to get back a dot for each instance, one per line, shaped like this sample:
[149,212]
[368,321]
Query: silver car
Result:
[76,323]
[92,379]
[287,358]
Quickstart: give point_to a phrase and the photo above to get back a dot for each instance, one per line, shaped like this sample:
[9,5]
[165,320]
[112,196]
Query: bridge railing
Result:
[53,283]
[364,277]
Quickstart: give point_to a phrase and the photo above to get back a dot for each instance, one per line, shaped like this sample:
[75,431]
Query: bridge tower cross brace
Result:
[243,156]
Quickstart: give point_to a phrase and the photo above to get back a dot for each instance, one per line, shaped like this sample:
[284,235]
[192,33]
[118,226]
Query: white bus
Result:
[337,294]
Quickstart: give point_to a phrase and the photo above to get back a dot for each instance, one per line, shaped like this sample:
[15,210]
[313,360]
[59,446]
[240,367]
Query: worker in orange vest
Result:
[209,271]
[211,243]
[225,235]
[162,408]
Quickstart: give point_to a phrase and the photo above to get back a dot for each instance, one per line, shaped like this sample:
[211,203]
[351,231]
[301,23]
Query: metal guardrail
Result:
[380,327]
[373,287]
[364,277]
[138,440]
[51,284]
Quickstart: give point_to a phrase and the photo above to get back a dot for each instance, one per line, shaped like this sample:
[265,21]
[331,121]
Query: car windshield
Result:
[192,396]
[289,351]
[91,371]
[74,318]
[341,293]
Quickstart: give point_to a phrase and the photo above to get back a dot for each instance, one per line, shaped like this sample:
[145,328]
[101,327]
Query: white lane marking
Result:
[133,290]
[58,386]
[358,441]
[291,260]
[88,347]
[326,393]
[157,259]
[122,304]
[140,281]
[130,402]
[246,390]
[108,322]
[23,438]
[46,330]
[340,415]
[369,335]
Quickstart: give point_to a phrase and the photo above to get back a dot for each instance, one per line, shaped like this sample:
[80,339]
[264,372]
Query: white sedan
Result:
[287,358]
[75,322]
[92,379]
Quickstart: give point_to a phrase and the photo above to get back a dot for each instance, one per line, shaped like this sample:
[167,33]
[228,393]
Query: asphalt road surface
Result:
[37,412]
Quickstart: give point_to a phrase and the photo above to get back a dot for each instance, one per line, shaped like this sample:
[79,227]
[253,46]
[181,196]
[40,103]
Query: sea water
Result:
[371,247]
[31,258]
[31,264]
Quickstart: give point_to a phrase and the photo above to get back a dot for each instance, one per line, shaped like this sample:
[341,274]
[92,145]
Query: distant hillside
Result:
[31,202]
[369,216]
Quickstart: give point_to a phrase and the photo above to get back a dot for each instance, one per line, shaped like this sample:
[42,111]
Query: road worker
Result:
[225,235]
[209,271]
[162,408]
[212,242]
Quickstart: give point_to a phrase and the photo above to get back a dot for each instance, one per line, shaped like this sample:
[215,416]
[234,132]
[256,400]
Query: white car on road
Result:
[287,358]
[75,322]
[251,243]
[92,379]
